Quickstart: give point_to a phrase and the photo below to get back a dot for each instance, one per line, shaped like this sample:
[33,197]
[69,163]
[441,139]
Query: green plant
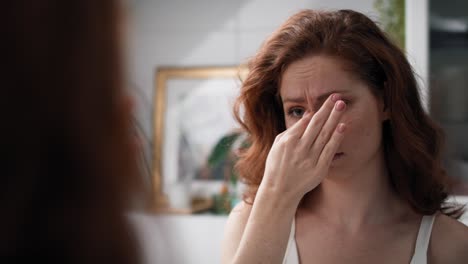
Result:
[223,152]
[222,159]
[392,19]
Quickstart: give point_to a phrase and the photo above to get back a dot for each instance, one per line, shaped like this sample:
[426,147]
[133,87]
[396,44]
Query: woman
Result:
[69,167]
[344,164]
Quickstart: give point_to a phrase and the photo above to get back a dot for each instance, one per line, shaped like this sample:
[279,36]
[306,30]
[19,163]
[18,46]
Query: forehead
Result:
[318,74]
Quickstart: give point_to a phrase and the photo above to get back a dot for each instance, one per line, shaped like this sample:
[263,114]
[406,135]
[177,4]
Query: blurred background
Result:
[448,82]
[166,36]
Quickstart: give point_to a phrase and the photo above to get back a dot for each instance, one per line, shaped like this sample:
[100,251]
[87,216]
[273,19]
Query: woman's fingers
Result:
[296,130]
[318,121]
[326,156]
[292,155]
[327,130]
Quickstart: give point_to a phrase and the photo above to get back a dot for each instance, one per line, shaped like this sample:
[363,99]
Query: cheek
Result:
[361,129]
[289,123]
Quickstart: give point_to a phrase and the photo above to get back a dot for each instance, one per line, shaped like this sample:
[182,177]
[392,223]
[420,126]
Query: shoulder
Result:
[449,241]
[234,229]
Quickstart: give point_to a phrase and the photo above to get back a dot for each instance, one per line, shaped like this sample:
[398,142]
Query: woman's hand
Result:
[301,156]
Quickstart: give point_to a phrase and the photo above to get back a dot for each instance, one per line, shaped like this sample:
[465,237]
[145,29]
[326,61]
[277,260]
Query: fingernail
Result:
[340,105]
[335,97]
[341,127]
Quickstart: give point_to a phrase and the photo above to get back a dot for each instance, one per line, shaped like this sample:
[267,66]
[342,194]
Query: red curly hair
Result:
[412,141]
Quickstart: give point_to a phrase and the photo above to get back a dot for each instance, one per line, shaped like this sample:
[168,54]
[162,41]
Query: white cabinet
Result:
[180,239]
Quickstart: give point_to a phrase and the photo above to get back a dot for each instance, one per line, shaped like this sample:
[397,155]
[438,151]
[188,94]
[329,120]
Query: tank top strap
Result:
[291,255]
[423,239]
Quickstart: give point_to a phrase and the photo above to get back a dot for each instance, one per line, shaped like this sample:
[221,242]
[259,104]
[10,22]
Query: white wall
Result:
[180,239]
[417,44]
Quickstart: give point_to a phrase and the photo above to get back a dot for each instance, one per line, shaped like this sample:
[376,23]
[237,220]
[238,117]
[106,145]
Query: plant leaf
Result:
[222,149]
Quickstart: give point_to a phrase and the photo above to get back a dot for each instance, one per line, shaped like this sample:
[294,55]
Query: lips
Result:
[338,155]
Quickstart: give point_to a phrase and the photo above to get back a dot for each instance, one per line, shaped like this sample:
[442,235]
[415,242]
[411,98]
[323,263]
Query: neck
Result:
[358,199]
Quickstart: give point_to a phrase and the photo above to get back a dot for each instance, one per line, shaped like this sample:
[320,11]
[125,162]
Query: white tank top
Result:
[420,251]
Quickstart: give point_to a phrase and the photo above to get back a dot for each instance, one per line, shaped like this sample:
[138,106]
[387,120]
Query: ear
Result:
[383,106]
[385,113]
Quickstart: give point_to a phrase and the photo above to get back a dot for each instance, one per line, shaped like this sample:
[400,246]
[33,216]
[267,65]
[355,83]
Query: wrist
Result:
[279,197]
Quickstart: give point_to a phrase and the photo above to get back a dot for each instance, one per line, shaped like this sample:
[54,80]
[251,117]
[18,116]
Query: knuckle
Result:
[286,141]
[277,138]
[325,132]
[307,163]
[335,138]
[321,140]
[326,151]
[318,119]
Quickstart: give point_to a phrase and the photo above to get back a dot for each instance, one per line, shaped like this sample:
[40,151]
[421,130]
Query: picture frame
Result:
[192,111]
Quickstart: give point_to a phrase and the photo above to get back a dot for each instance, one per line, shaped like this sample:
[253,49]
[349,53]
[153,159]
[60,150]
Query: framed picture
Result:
[192,117]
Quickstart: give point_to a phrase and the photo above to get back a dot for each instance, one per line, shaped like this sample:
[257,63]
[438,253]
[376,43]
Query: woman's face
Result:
[317,77]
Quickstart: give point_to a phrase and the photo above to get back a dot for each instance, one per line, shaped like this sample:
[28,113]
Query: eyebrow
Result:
[319,99]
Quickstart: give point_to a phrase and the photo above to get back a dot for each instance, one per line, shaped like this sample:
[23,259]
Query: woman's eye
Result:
[296,112]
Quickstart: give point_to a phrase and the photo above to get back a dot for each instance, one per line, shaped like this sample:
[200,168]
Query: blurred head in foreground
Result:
[68,165]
